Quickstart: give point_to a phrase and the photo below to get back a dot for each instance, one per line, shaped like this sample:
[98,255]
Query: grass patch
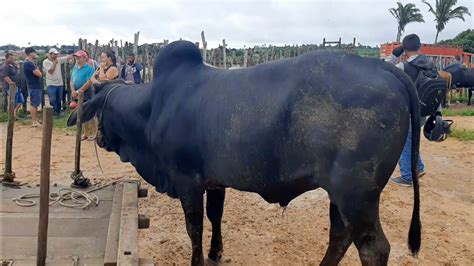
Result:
[458,112]
[458,98]
[3,117]
[61,121]
[25,119]
[462,134]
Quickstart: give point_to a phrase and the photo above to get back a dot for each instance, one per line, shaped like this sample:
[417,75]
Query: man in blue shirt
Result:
[81,82]
[33,80]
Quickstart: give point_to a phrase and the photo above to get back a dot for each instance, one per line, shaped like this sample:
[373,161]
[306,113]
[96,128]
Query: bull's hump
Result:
[177,54]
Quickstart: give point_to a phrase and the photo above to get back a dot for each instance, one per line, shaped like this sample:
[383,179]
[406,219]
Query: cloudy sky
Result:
[240,22]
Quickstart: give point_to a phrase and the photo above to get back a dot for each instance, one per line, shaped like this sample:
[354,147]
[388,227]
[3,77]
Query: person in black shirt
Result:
[10,74]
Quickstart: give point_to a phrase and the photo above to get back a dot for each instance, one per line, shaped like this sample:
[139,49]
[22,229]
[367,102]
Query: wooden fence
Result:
[222,56]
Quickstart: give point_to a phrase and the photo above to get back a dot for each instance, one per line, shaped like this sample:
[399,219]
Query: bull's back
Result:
[274,126]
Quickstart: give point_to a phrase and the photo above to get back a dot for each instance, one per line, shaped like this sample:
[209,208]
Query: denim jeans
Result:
[405,160]
[55,94]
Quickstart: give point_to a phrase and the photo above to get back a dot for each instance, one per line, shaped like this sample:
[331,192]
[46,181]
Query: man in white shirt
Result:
[54,79]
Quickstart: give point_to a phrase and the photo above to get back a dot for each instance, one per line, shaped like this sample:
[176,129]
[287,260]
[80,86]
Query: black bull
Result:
[462,78]
[330,120]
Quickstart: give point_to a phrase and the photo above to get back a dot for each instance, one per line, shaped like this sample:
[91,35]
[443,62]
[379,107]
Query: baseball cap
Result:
[53,51]
[81,53]
[29,50]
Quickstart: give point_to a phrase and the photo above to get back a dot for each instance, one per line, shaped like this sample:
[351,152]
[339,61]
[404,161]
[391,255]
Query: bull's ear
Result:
[72,119]
[88,113]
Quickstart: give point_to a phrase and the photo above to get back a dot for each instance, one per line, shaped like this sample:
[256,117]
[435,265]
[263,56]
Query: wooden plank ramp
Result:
[103,234]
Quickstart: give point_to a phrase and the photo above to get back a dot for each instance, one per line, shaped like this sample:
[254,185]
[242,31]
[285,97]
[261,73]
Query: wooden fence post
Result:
[148,65]
[144,62]
[9,175]
[44,185]
[245,57]
[135,42]
[94,53]
[77,159]
[86,46]
[204,47]
[122,51]
[224,55]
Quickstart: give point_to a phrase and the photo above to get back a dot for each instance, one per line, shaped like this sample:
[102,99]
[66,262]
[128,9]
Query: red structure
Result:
[442,55]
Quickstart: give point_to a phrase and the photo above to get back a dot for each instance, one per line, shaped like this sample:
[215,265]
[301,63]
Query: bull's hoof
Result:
[215,255]
[210,262]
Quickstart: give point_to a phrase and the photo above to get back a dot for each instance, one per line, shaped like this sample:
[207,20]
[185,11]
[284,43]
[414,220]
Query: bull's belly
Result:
[281,190]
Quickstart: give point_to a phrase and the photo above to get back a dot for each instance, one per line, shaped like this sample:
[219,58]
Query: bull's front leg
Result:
[191,196]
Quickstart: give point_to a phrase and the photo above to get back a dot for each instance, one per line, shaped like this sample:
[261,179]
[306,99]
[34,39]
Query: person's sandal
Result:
[35,124]
[84,138]
[91,139]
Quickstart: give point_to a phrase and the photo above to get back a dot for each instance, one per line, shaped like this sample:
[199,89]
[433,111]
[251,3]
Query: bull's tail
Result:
[414,234]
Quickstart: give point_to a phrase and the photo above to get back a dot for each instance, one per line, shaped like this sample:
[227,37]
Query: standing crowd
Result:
[85,71]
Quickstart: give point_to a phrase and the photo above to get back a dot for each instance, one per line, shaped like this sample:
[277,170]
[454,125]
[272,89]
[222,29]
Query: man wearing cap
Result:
[33,80]
[131,71]
[416,62]
[54,79]
[81,76]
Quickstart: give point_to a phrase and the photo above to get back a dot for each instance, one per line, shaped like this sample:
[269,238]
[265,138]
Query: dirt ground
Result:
[258,233]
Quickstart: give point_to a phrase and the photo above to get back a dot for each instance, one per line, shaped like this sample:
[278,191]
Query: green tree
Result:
[464,39]
[405,14]
[444,11]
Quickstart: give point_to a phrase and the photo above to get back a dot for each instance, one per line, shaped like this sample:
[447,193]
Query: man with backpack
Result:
[415,63]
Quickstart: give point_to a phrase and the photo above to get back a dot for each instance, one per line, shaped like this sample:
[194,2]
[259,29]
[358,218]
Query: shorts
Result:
[35,97]
[19,99]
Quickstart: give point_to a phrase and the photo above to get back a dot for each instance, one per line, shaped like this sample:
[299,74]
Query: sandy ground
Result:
[258,233]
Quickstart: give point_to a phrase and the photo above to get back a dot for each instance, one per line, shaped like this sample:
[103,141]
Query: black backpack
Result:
[430,86]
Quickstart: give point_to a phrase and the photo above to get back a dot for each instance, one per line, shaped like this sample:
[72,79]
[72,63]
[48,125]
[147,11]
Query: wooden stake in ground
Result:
[224,55]
[79,179]
[135,43]
[244,64]
[94,54]
[9,175]
[204,47]
[44,185]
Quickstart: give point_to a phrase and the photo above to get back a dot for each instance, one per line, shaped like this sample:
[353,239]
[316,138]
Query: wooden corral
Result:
[102,234]
[222,56]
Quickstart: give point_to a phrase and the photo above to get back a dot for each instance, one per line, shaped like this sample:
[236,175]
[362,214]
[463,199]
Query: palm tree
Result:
[405,14]
[445,11]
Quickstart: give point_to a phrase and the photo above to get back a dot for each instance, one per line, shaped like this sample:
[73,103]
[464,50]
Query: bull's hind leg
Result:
[214,210]
[469,97]
[339,237]
[362,213]
[191,197]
